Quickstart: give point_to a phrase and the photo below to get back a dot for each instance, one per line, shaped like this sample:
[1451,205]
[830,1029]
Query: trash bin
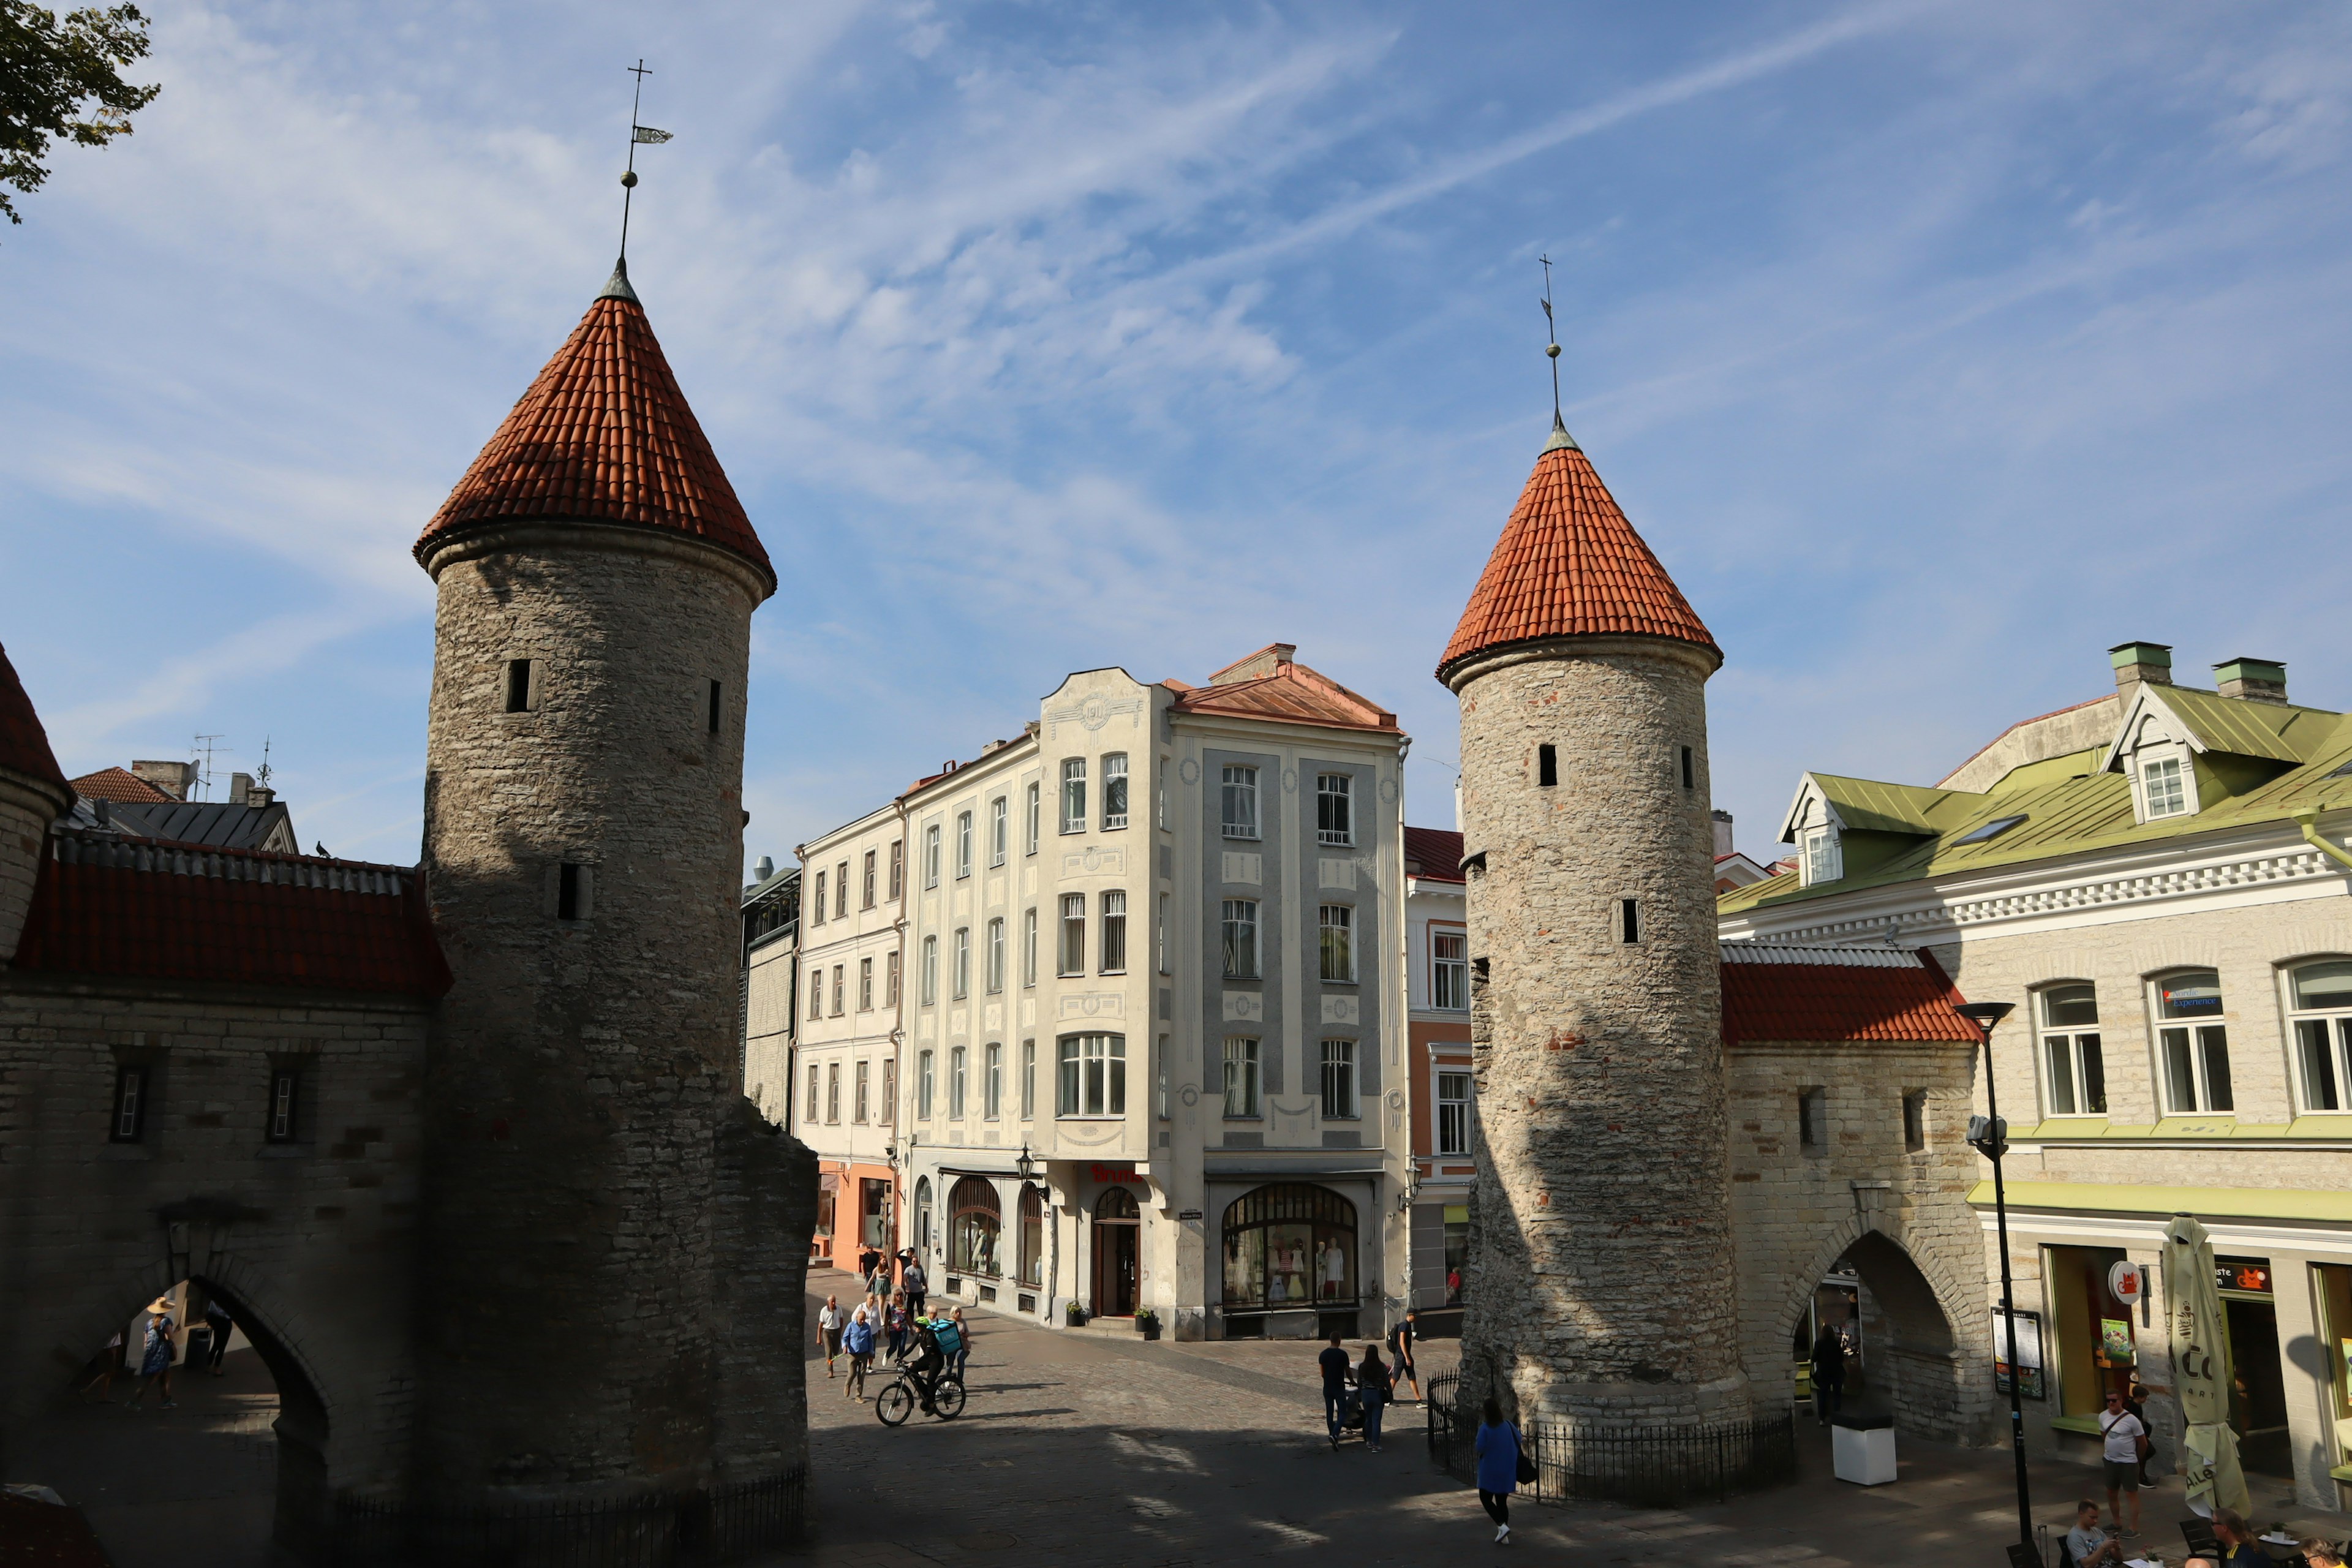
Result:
[1862,1446]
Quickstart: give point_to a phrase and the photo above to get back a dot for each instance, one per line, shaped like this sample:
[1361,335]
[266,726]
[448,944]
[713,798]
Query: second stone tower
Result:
[1600,1287]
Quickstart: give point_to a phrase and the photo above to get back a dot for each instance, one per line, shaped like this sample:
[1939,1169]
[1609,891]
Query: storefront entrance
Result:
[2092,1339]
[1118,1233]
[874,1213]
[1289,1263]
[2258,1384]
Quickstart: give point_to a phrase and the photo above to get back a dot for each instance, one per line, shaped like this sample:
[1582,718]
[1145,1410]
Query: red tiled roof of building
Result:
[119,785]
[1288,692]
[604,435]
[1837,993]
[1437,851]
[24,745]
[151,911]
[1569,564]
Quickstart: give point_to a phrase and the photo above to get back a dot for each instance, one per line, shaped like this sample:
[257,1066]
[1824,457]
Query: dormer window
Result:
[2161,790]
[1823,863]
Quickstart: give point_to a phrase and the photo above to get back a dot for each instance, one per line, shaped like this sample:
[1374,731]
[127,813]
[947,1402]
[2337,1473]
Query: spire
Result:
[603,436]
[1559,435]
[1569,564]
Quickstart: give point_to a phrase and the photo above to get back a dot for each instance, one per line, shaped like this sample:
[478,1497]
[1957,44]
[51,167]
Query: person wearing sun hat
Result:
[155,1363]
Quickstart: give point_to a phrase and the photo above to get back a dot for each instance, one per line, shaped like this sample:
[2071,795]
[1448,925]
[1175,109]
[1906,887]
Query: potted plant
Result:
[1075,1314]
[1146,1323]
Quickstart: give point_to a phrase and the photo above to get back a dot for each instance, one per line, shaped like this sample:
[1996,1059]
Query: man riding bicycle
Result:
[931,1358]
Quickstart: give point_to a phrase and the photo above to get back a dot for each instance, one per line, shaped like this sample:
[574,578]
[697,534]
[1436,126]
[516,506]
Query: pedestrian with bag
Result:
[1400,1343]
[217,1318]
[963,1340]
[2123,1441]
[1333,1362]
[828,1327]
[917,1287]
[858,1341]
[155,1363]
[1372,1384]
[1502,1465]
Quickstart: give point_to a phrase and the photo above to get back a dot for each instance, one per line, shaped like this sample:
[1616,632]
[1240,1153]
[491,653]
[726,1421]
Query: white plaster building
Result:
[1437,985]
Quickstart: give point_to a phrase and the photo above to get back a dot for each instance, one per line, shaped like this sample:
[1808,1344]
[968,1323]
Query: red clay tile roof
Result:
[1292,693]
[1569,564]
[108,907]
[1798,994]
[604,435]
[1437,850]
[24,745]
[119,785]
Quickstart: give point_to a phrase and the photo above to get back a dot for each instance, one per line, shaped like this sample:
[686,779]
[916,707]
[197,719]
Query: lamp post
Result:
[1989,1134]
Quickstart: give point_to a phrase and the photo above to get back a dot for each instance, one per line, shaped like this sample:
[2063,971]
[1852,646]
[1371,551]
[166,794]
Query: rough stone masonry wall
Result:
[1602,1280]
[583,1071]
[25,818]
[312,1243]
[1901,1216]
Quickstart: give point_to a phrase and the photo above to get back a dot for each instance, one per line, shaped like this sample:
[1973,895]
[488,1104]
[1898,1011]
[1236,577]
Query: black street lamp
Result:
[1026,1165]
[1989,1134]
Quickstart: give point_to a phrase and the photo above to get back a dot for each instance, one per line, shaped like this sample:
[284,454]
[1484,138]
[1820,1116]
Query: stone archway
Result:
[1921,1362]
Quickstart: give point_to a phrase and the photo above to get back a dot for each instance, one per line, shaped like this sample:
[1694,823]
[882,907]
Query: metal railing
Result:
[1656,1467]
[577,1532]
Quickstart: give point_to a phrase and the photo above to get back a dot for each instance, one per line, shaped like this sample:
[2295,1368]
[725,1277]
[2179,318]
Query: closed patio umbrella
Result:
[2199,1338]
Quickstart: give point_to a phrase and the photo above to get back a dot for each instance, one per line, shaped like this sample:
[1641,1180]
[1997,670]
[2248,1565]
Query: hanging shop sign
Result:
[2028,1353]
[2250,1276]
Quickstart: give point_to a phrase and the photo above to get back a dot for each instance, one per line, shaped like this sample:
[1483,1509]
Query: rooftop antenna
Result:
[645,134]
[1560,437]
[204,746]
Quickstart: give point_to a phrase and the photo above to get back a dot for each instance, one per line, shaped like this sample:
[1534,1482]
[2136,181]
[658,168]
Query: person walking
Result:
[155,1363]
[1499,1468]
[1400,1343]
[217,1318]
[1829,1372]
[1373,1383]
[829,1325]
[858,1341]
[2121,1437]
[917,1287]
[963,1340]
[870,1258]
[895,1324]
[1334,1363]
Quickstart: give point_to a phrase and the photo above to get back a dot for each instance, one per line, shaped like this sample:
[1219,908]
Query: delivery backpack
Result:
[944,1331]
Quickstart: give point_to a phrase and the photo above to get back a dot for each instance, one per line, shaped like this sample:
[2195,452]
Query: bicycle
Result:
[900,1398]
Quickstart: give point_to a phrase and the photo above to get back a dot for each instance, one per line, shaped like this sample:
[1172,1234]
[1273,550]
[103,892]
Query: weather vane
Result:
[1552,327]
[638,134]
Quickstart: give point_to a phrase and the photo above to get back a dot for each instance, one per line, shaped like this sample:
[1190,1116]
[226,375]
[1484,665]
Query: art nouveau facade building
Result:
[1437,984]
[2156,879]
[1149,1028]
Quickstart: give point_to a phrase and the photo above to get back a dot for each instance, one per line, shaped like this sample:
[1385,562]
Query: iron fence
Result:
[1656,1467]
[577,1532]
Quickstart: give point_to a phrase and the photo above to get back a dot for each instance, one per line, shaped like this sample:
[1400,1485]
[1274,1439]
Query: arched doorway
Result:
[254,1429]
[1119,1234]
[976,1221]
[1901,1354]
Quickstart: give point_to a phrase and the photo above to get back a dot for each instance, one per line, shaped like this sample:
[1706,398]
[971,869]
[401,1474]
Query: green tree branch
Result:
[61,76]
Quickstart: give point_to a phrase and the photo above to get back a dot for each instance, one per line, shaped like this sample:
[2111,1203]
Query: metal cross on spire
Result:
[645,134]
[1559,435]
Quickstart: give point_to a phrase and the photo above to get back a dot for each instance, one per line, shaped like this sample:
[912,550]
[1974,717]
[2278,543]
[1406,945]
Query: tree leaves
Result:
[61,78]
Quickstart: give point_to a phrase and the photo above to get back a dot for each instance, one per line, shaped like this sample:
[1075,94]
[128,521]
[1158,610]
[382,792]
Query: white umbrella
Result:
[2199,1337]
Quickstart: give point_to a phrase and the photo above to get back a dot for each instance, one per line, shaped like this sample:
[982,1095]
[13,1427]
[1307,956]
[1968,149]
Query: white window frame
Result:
[1238,803]
[866,984]
[897,869]
[1454,1110]
[833,1094]
[1032,803]
[1243,1078]
[1029,948]
[1000,830]
[1342,1099]
[1335,800]
[2330,1030]
[2197,1041]
[991,1081]
[1339,919]
[816,905]
[930,971]
[1092,1082]
[1113,936]
[995,964]
[862,1093]
[1028,1080]
[1070,931]
[867,880]
[1160,936]
[957,1058]
[1449,973]
[1074,795]
[1114,790]
[1823,859]
[839,987]
[815,973]
[2066,1049]
[960,971]
[1241,915]
[931,856]
[926,1061]
[2164,785]
[964,845]
[891,978]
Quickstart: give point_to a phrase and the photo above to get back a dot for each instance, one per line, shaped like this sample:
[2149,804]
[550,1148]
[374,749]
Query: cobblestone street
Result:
[1096,1447]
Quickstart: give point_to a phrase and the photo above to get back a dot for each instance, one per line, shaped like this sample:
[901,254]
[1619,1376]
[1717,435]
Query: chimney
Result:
[2256,679]
[174,779]
[2139,661]
[1722,834]
[1257,666]
[240,788]
[259,795]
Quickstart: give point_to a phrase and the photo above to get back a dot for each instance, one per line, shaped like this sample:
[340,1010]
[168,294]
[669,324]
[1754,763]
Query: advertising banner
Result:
[2198,1336]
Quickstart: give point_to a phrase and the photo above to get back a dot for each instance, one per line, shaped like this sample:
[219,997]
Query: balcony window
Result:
[1335,809]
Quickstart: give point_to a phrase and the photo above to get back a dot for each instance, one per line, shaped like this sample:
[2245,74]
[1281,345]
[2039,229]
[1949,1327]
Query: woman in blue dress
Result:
[1499,1468]
[155,1363]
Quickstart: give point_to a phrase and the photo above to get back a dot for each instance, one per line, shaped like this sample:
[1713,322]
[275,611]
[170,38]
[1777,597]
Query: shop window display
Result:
[976,1220]
[1291,1246]
[1033,1234]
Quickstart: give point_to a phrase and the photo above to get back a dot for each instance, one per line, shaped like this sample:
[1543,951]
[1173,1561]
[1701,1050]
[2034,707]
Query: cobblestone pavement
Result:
[1094,1447]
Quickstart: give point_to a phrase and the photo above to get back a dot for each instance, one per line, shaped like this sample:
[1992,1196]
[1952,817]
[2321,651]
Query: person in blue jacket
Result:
[1499,1468]
[858,1341]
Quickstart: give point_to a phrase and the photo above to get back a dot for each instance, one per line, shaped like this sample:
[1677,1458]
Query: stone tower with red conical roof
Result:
[1600,1287]
[614,1242]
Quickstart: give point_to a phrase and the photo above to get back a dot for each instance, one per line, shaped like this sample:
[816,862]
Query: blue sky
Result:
[1933,347]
